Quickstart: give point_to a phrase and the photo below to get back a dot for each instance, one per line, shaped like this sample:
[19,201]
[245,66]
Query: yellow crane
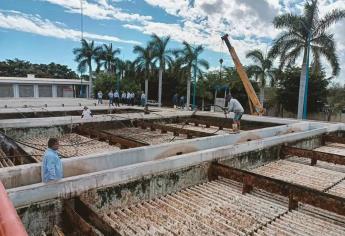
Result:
[254,102]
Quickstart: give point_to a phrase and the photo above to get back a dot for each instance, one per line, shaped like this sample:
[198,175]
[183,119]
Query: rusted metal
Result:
[125,142]
[314,155]
[95,219]
[295,192]
[75,220]
[166,128]
[113,139]
[333,139]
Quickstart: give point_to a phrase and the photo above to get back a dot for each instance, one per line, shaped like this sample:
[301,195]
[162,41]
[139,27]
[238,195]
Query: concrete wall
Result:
[41,217]
[146,188]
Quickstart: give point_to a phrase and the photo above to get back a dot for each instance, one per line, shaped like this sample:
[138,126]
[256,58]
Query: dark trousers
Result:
[117,102]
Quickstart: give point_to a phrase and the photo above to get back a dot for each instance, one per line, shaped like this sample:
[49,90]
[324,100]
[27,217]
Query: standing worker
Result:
[111,98]
[143,99]
[100,97]
[117,98]
[123,97]
[51,169]
[236,107]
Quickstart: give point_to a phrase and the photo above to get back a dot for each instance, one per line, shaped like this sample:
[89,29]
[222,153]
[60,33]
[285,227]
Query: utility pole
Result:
[81,20]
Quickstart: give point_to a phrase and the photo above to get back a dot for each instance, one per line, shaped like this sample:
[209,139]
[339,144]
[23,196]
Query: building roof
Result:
[32,80]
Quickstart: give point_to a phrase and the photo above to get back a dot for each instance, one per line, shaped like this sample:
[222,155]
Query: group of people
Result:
[125,98]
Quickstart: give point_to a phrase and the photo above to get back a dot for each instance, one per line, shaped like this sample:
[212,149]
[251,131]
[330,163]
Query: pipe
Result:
[10,223]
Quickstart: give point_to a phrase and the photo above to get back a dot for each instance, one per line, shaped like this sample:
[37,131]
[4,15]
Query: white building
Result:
[31,87]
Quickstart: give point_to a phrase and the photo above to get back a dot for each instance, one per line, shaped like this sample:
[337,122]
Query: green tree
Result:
[288,88]
[236,86]
[104,83]
[294,41]
[144,63]
[108,55]
[189,57]
[162,56]
[261,69]
[20,68]
[84,56]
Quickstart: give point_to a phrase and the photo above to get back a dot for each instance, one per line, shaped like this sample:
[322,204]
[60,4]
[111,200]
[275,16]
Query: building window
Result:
[6,90]
[45,90]
[26,91]
[65,91]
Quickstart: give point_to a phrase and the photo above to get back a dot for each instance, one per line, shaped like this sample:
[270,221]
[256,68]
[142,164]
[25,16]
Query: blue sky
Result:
[44,31]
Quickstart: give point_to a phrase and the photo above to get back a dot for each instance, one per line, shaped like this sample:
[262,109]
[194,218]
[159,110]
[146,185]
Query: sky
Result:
[44,31]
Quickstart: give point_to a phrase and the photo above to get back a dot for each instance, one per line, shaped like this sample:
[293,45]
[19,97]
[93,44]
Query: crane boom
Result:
[253,99]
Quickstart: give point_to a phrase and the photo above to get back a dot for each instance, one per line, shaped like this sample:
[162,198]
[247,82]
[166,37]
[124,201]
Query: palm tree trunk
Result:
[188,93]
[160,86]
[146,89]
[90,81]
[302,85]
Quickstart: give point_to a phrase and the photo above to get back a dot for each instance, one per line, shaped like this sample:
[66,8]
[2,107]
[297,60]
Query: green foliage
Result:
[130,85]
[104,82]
[229,78]
[287,93]
[336,95]
[20,68]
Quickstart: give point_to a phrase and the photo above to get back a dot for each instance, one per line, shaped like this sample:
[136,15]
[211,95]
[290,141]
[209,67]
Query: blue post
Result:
[305,105]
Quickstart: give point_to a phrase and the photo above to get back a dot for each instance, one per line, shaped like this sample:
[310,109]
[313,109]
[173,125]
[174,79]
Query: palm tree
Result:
[189,57]
[144,63]
[262,69]
[84,56]
[301,31]
[162,56]
[109,55]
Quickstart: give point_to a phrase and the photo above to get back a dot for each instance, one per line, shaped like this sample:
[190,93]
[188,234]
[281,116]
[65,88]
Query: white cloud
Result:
[100,10]
[249,23]
[36,25]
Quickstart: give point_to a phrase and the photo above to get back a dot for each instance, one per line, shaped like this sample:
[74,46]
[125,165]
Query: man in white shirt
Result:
[132,98]
[123,96]
[236,107]
[128,98]
[117,98]
[86,114]
[143,99]
[111,98]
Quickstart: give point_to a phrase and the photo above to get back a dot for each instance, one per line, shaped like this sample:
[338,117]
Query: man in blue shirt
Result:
[51,164]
